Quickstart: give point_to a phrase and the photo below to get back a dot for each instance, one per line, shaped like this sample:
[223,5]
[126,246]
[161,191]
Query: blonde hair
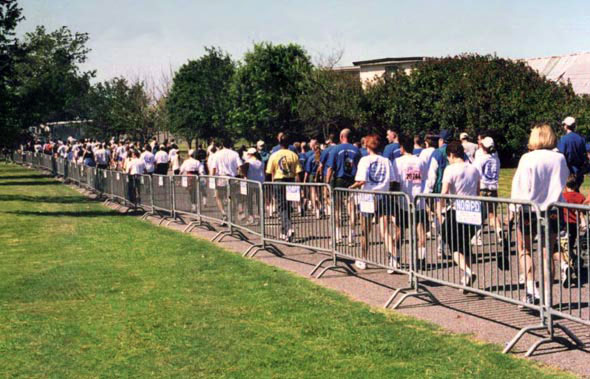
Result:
[542,137]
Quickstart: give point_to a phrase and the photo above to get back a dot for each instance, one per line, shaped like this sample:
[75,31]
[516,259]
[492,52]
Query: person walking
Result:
[573,147]
[284,167]
[162,160]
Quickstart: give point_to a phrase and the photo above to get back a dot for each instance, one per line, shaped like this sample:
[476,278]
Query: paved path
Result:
[487,319]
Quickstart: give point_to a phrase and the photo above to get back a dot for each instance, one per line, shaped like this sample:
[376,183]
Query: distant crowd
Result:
[553,170]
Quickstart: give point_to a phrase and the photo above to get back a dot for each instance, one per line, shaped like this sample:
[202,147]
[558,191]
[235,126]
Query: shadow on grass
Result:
[39,176]
[68,214]
[44,199]
[52,183]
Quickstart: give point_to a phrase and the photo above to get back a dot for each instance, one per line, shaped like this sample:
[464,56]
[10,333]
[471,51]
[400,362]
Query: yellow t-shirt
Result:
[283,164]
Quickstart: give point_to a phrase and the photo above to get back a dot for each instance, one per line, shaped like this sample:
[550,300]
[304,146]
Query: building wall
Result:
[369,73]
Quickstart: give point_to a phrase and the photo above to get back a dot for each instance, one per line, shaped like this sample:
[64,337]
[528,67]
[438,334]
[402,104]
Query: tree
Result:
[10,52]
[51,85]
[198,104]
[330,99]
[266,90]
[120,108]
[470,93]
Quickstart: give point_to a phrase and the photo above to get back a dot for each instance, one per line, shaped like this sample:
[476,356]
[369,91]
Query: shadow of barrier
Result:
[504,249]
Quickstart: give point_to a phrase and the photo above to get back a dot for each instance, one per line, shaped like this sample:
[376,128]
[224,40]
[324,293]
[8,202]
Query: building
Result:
[574,68]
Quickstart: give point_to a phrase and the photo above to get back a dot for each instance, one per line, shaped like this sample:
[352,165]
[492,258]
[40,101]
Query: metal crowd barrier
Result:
[505,249]
[374,227]
[291,219]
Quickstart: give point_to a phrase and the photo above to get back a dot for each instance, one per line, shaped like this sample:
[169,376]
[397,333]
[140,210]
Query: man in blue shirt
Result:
[392,150]
[342,163]
[323,168]
[573,147]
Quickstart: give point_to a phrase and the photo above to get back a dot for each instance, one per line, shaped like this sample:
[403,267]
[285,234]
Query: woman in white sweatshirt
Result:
[540,177]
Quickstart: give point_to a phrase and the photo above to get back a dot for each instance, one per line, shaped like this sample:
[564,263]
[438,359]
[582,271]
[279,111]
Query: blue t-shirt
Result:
[324,158]
[573,147]
[417,151]
[278,147]
[311,166]
[302,158]
[392,151]
[343,160]
[364,151]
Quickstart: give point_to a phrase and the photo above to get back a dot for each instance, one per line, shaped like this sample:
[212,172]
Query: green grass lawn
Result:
[87,292]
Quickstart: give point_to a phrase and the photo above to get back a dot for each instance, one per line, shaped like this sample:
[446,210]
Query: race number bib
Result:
[184,181]
[243,188]
[211,183]
[366,203]
[293,193]
[468,212]
[413,175]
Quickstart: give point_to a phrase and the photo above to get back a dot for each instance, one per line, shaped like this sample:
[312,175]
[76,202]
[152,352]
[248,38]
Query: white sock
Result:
[467,271]
[421,253]
[530,287]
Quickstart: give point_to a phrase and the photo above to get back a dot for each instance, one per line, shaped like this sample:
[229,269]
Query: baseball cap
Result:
[260,144]
[445,135]
[487,142]
[569,121]
[463,136]
[251,151]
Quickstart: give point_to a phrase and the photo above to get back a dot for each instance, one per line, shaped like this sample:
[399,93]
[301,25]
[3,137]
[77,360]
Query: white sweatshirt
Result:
[540,177]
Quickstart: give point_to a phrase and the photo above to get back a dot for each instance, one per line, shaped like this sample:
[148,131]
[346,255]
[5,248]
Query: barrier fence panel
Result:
[60,167]
[119,186]
[246,205]
[144,192]
[162,193]
[298,214]
[213,198]
[374,227]
[185,194]
[569,240]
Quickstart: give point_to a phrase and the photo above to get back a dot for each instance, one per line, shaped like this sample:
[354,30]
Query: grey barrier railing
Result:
[499,248]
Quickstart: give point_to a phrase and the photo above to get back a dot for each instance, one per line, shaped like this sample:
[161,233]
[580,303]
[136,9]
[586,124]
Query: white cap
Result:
[251,151]
[191,152]
[463,136]
[260,144]
[487,142]
[569,121]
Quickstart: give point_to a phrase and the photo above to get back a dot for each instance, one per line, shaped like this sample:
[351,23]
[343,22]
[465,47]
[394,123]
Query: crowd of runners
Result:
[439,163]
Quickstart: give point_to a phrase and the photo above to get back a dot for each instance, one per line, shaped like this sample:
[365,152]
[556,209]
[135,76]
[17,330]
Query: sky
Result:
[146,38]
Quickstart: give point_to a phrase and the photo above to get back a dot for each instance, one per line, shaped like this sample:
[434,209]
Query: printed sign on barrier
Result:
[211,183]
[118,176]
[184,181]
[160,181]
[468,212]
[366,203]
[127,179]
[104,174]
[142,180]
[293,193]
[243,188]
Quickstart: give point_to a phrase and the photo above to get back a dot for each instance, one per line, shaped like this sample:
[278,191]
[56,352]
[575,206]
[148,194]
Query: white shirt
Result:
[149,160]
[255,170]
[226,162]
[376,171]
[190,166]
[136,166]
[462,178]
[62,151]
[488,166]
[174,158]
[426,154]
[101,156]
[162,157]
[470,149]
[412,172]
[540,177]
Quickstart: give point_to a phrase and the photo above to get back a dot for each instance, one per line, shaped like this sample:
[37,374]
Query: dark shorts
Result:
[488,193]
[527,221]
[455,235]
[342,182]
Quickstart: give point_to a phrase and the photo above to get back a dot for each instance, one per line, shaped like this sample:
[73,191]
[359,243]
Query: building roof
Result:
[572,67]
[381,61]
